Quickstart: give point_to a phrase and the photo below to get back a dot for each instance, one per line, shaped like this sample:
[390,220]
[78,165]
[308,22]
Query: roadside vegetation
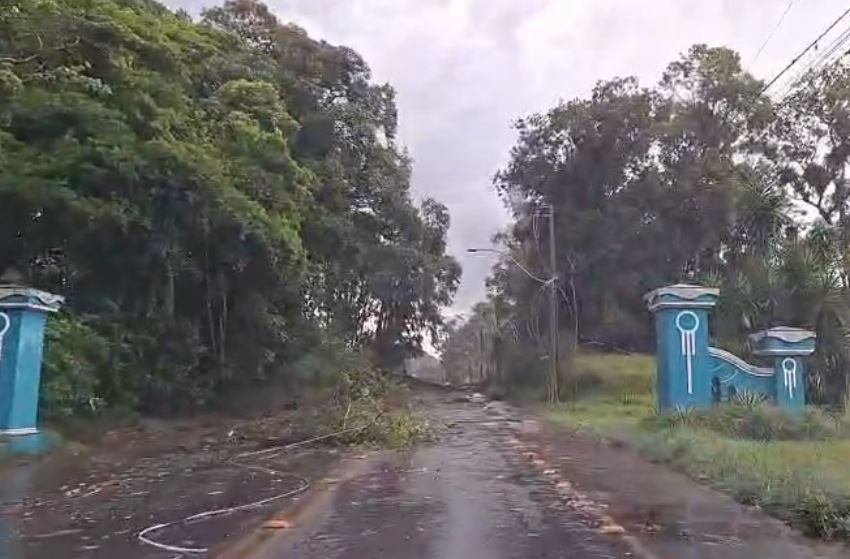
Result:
[701,177]
[221,200]
[795,468]
[697,178]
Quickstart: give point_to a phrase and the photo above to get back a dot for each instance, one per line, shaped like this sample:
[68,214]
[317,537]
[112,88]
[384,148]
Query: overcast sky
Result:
[465,70]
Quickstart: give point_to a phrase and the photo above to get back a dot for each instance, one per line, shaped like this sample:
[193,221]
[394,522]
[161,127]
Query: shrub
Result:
[754,422]
[75,357]
[401,429]
[749,399]
[823,515]
[365,396]
[93,363]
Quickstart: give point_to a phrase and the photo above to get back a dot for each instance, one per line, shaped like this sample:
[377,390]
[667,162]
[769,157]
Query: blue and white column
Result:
[23,315]
[681,332]
[787,347]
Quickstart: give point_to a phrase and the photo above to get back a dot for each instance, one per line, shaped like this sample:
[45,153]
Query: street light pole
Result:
[553,312]
[552,282]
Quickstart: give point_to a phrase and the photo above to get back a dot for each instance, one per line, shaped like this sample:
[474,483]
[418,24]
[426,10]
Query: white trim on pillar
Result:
[789,368]
[19,431]
[30,306]
[687,334]
[7,322]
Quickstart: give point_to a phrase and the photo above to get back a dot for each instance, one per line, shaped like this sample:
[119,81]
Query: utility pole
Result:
[553,312]
[552,282]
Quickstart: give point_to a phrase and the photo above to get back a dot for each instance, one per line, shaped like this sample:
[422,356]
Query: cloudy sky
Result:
[464,70]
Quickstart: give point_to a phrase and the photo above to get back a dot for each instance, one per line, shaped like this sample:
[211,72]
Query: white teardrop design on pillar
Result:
[789,368]
[689,344]
[4,319]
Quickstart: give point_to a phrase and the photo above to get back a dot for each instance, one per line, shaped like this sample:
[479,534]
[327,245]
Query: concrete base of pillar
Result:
[32,443]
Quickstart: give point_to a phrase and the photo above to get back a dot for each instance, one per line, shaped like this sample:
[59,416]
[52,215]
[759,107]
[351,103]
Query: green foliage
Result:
[760,422]
[644,184]
[697,179]
[73,364]
[749,400]
[403,429]
[210,204]
[792,466]
[362,396]
[626,377]
[795,481]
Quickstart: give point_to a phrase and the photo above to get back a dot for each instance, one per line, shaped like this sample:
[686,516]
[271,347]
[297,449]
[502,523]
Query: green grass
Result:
[612,374]
[796,469]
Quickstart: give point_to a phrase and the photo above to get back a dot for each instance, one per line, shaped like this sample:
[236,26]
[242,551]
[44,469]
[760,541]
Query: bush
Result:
[824,515]
[401,429]
[75,357]
[95,363]
[363,396]
[755,422]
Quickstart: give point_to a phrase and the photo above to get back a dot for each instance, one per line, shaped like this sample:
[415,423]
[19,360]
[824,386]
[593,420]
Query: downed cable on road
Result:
[267,453]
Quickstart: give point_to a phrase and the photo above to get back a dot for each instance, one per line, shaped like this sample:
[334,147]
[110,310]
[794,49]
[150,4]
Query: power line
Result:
[805,50]
[514,260]
[774,30]
[821,61]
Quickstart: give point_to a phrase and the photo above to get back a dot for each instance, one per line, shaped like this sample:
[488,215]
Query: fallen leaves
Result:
[611,529]
[575,499]
[277,524]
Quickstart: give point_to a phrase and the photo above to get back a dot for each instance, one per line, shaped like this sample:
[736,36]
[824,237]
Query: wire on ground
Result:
[145,536]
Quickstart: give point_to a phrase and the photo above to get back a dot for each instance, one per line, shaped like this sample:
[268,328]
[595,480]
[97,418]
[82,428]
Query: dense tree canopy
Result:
[702,178]
[215,199]
[643,182]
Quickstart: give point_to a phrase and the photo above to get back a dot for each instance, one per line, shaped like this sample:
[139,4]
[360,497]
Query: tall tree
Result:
[644,185]
[219,196]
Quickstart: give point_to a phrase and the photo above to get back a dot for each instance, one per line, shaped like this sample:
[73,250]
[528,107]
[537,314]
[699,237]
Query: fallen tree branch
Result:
[145,535]
[35,55]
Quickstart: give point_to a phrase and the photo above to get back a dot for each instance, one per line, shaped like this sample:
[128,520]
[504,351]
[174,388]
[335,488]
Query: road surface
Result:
[496,483]
[470,494]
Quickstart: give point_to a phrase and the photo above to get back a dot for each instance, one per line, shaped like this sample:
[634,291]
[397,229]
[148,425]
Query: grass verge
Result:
[794,468]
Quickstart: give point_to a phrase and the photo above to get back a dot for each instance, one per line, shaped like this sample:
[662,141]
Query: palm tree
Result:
[773,275]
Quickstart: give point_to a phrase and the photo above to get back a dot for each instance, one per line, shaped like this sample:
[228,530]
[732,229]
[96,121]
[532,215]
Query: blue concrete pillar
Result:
[681,332]
[786,346]
[23,314]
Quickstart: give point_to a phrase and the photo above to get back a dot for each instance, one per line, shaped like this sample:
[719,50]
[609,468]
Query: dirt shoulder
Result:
[92,500]
[666,513]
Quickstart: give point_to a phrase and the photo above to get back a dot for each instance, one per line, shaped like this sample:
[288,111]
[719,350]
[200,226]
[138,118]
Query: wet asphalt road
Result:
[493,483]
[469,494]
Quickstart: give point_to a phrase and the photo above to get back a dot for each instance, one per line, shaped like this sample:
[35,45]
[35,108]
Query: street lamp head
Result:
[472,250]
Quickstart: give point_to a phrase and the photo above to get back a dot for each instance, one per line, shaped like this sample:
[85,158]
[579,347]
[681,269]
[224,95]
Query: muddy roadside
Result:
[663,513]
[92,500]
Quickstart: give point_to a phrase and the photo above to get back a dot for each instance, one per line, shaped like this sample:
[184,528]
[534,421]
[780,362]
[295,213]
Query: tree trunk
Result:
[168,303]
